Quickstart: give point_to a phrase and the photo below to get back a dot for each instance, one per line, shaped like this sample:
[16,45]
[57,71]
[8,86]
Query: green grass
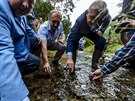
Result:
[111,48]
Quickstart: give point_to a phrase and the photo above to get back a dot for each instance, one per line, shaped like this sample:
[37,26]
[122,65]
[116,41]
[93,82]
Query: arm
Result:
[126,54]
[42,32]
[46,64]
[72,39]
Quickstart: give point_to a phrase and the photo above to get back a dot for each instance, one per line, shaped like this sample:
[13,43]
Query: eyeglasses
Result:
[55,21]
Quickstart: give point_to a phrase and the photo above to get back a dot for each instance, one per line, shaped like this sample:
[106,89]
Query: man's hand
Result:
[99,33]
[97,74]
[38,38]
[70,64]
[60,42]
[47,68]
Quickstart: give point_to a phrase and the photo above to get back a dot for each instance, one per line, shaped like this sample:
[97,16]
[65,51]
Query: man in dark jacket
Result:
[91,24]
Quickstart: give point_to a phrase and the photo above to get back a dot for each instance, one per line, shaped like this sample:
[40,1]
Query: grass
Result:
[111,48]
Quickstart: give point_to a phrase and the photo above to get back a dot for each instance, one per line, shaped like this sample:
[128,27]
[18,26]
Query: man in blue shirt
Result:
[48,32]
[14,48]
[91,24]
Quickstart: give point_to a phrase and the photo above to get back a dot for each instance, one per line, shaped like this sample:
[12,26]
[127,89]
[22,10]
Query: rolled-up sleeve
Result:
[42,32]
[126,54]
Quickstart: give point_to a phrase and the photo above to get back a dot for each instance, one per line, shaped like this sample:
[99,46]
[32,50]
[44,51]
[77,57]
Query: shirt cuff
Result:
[69,53]
[43,38]
[105,70]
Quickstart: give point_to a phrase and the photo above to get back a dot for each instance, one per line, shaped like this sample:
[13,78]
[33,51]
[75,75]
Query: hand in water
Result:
[96,74]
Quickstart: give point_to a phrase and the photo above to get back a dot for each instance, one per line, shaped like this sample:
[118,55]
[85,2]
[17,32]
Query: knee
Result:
[63,48]
[100,44]
[37,62]
[35,66]
[102,41]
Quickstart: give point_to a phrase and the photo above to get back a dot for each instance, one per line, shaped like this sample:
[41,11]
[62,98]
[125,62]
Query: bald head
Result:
[54,18]
[54,13]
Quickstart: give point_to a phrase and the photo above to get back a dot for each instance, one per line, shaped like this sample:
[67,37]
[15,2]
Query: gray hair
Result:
[98,5]
[54,11]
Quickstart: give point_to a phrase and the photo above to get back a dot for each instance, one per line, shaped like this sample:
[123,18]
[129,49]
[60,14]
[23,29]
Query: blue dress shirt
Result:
[45,32]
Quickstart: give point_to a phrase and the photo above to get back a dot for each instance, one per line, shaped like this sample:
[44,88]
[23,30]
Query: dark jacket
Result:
[82,29]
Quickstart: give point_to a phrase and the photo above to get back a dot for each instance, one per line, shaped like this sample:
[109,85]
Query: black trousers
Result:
[60,47]
[99,44]
[32,62]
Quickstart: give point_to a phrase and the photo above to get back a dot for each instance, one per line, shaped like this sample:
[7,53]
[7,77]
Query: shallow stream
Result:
[63,86]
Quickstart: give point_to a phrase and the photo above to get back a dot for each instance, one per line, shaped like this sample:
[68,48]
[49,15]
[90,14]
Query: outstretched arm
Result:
[73,38]
[126,54]
[46,64]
